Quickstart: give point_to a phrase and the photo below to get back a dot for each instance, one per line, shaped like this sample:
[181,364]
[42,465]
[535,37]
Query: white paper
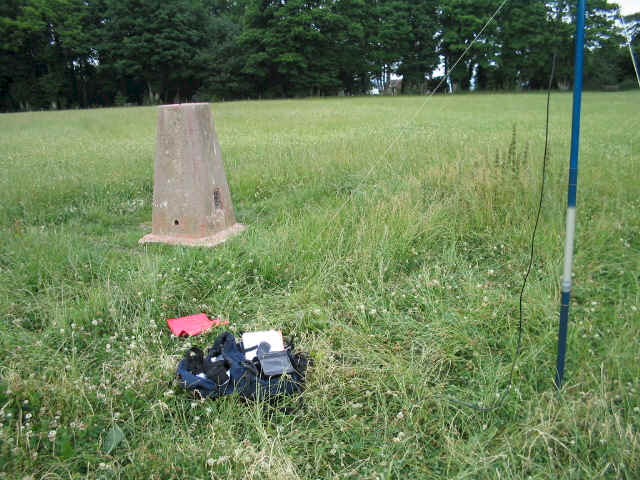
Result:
[252,339]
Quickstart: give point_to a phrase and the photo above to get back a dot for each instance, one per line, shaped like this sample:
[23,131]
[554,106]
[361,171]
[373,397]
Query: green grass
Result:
[399,273]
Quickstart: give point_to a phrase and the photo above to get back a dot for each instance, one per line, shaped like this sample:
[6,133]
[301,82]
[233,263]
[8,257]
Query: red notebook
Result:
[193,324]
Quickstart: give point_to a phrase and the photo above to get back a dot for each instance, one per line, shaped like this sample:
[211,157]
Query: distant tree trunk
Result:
[150,91]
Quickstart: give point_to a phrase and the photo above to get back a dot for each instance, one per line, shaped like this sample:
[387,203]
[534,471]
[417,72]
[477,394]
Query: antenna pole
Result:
[573,187]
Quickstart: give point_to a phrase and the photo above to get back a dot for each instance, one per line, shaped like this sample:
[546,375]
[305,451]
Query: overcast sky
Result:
[628,6]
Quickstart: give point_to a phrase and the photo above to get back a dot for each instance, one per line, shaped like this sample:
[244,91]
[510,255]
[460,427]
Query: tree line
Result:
[84,53]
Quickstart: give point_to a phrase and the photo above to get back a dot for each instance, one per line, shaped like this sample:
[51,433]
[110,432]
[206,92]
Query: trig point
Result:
[191,199]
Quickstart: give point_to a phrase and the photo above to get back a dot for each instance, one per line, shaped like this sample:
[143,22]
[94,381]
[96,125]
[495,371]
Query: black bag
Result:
[208,377]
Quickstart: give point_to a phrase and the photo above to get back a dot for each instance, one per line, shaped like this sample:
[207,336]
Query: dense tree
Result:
[420,57]
[291,46]
[47,57]
[159,44]
[524,49]
[69,53]
[461,21]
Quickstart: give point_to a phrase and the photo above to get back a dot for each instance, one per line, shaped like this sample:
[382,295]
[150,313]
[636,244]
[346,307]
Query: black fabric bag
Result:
[245,377]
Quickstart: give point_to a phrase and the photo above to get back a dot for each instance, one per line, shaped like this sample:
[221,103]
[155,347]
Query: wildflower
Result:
[94,322]
[400,415]
[211,462]
[52,436]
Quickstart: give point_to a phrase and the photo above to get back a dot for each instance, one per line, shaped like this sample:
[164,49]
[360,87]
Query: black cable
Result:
[506,391]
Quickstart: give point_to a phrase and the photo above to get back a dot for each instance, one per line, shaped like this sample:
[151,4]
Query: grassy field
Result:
[390,241]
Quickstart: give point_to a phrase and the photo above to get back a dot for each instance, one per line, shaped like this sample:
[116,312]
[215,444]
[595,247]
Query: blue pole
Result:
[573,188]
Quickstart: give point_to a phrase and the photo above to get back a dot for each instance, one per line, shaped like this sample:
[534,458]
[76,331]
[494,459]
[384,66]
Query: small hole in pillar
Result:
[217,199]
[176,222]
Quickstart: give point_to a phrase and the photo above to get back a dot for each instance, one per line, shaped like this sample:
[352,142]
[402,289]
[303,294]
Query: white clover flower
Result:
[211,462]
[94,322]
[52,436]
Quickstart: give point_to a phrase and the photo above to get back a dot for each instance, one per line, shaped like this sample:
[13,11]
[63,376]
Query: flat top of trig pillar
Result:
[174,105]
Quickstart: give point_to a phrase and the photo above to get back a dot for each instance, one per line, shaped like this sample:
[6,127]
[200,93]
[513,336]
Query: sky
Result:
[628,7]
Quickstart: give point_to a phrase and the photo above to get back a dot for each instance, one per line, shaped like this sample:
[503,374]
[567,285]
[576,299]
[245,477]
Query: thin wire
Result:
[633,59]
[545,155]
[415,114]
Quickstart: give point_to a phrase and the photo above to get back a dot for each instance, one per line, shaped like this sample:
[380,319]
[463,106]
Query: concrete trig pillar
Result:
[191,198]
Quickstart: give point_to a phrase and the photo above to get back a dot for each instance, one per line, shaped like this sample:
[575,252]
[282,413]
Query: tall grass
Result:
[398,273]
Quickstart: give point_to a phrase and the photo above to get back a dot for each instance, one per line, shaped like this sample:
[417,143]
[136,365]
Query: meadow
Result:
[389,239]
